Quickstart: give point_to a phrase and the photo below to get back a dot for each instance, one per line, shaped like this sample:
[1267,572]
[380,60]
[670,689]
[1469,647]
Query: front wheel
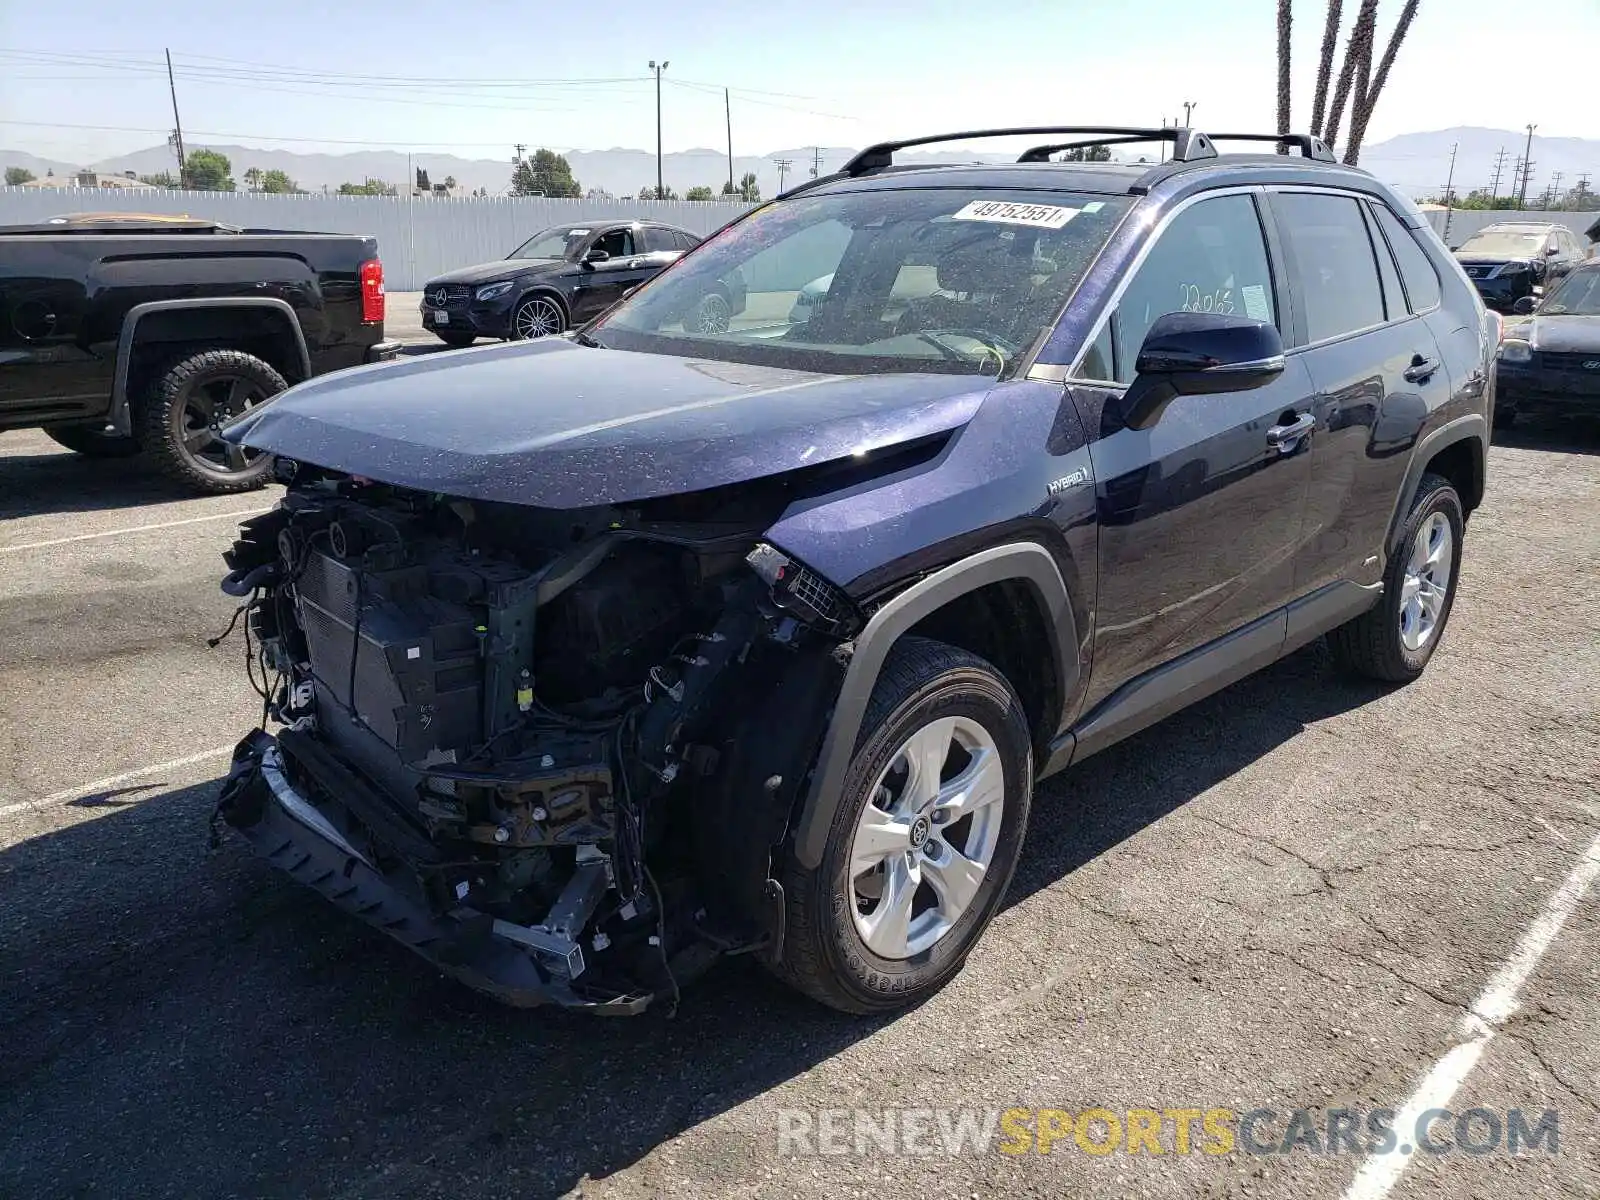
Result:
[184,410]
[925,839]
[1394,639]
[537,317]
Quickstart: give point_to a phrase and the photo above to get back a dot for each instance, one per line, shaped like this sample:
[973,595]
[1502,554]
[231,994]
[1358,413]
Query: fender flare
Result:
[1027,561]
[1472,426]
[119,417]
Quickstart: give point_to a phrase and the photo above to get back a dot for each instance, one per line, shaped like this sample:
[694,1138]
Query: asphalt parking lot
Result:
[1287,897]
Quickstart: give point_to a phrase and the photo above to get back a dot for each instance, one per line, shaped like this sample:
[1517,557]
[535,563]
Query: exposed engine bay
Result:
[549,750]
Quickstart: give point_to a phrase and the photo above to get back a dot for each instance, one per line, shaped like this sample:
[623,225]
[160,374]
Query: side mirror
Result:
[596,255]
[1198,354]
[1551,251]
[1523,306]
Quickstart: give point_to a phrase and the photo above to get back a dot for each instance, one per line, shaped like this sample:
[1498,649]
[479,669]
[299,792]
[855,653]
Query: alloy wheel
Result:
[927,837]
[206,409]
[1427,581]
[711,315]
[537,318]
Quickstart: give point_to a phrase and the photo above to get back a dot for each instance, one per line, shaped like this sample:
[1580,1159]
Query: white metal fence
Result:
[417,238]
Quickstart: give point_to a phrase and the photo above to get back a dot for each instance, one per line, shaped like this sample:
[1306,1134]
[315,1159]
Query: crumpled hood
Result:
[504,268]
[557,425]
[1563,334]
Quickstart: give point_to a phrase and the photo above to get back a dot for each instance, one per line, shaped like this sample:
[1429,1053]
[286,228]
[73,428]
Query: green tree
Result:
[699,193]
[208,171]
[370,187]
[252,179]
[749,189]
[522,181]
[422,180]
[17,176]
[553,174]
[1088,154]
[278,182]
[162,179]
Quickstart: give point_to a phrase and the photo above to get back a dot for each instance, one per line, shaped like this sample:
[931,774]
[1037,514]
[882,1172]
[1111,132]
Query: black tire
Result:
[181,407]
[556,322]
[92,441]
[455,340]
[1371,645]
[824,955]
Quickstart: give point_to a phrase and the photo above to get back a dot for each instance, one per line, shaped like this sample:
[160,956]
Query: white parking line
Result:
[105,533]
[1478,1025]
[111,781]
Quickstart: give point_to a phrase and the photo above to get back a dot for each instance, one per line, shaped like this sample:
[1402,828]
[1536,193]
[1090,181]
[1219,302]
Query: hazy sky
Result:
[457,76]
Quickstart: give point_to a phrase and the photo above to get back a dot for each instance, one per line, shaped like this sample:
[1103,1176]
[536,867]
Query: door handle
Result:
[1421,369]
[1286,437]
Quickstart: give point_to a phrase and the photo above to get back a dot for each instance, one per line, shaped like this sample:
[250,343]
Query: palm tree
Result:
[252,179]
[1285,22]
[1362,112]
[1330,40]
[1360,42]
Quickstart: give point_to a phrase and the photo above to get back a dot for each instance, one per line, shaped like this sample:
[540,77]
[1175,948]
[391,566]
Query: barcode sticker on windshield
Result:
[1255,303]
[1041,216]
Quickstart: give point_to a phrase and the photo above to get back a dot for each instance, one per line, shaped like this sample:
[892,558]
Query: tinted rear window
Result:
[1416,268]
[1339,289]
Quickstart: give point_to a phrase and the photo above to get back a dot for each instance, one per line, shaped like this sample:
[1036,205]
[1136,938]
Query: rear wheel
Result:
[1394,639]
[187,405]
[93,441]
[925,838]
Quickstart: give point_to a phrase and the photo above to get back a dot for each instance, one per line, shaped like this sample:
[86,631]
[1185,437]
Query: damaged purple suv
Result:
[594,659]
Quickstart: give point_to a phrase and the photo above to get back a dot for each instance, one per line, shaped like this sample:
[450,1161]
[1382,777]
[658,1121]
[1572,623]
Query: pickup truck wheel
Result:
[189,401]
[1394,639]
[925,839]
[91,441]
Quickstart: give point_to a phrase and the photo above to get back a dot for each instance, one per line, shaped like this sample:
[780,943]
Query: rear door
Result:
[1377,371]
[1200,514]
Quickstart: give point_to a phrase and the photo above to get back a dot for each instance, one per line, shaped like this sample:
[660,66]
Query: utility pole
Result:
[661,191]
[1580,192]
[1450,194]
[1555,187]
[783,165]
[816,161]
[176,123]
[1499,166]
[1188,107]
[727,111]
[1527,168]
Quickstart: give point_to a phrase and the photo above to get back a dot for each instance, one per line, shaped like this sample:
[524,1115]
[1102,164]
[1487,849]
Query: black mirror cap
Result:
[1191,353]
[597,256]
[1523,306]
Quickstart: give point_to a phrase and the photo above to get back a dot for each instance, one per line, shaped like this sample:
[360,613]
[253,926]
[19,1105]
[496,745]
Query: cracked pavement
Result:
[1285,897]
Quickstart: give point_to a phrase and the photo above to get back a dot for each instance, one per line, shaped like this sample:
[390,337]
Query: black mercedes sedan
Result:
[1550,363]
[560,279]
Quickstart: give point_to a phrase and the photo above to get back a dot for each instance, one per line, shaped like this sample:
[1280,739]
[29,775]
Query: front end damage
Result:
[551,751]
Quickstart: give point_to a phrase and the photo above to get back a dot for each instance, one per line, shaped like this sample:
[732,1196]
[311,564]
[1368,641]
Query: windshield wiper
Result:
[989,353]
[584,339]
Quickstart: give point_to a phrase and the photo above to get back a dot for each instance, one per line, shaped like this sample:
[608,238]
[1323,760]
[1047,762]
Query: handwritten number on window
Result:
[1192,299]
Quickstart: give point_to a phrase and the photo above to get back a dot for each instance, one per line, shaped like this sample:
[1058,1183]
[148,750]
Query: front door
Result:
[1200,515]
[600,285]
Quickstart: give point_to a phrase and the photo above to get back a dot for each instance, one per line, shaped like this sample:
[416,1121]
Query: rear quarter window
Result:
[1416,268]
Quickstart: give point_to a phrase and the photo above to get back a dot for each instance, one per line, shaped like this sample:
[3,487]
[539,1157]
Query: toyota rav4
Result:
[593,659]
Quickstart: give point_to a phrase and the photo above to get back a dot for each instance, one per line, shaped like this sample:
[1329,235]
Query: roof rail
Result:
[1187,143]
[1309,147]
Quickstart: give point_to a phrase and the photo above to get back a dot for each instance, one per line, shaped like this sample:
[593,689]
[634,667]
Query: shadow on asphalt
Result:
[58,481]
[1569,435]
[189,1023]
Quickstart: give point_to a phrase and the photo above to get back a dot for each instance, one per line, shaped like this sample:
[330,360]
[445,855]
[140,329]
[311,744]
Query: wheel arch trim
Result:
[119,418]
[1026,561]
[1469,427]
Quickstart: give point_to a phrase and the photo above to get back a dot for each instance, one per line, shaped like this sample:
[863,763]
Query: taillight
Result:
[372,290]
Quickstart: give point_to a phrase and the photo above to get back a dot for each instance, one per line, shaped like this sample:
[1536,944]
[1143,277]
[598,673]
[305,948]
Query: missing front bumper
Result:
[285,827]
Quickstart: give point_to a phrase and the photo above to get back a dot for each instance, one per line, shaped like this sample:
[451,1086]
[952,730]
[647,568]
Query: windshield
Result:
[562,242]
[1508,242]
[1578,295]
[948,280]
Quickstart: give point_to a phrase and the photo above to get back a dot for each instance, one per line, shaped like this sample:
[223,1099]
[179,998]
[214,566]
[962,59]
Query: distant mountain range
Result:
[1417,163]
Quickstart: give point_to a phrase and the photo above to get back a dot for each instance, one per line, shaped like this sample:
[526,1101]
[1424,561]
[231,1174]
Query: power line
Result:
[260,137]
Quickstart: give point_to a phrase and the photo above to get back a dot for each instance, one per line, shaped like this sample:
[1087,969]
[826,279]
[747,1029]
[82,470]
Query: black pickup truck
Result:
[126,334]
